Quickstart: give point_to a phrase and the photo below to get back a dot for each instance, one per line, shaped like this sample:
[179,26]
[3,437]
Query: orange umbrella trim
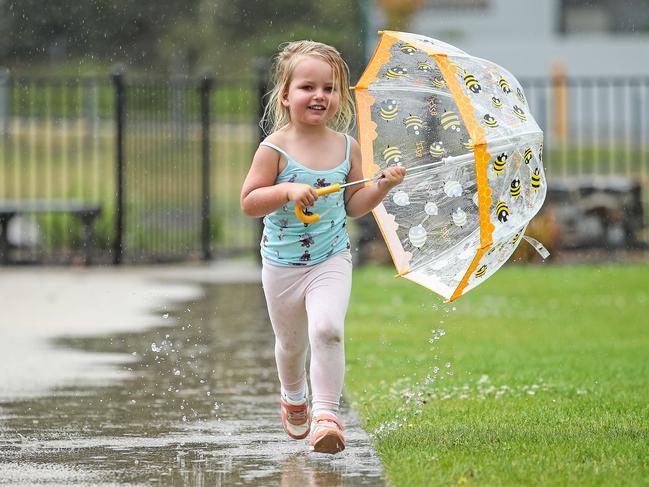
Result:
[381,56]
[477,134]
[366,135]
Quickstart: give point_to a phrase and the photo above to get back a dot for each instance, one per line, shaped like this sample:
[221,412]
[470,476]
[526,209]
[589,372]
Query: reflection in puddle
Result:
[197,405]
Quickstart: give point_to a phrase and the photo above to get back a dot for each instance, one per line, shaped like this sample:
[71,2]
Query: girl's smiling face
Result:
[311,97]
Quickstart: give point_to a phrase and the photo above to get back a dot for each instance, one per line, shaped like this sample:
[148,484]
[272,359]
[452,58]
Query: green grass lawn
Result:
[538,377]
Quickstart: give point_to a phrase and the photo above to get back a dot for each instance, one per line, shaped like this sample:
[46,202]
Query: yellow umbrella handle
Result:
[314,217]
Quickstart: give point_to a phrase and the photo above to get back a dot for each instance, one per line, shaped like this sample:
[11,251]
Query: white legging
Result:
[307,306]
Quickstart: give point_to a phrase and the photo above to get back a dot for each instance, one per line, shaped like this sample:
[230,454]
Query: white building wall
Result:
[522,36]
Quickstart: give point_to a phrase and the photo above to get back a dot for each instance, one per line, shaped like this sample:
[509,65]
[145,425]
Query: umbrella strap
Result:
[538,246]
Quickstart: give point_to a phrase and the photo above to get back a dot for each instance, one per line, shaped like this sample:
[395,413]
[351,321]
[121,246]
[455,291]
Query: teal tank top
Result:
[288,241]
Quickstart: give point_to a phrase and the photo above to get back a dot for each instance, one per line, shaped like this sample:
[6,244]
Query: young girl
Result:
[307,269]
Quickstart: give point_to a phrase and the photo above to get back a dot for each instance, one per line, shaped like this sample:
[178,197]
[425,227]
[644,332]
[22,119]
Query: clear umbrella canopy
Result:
[462,127]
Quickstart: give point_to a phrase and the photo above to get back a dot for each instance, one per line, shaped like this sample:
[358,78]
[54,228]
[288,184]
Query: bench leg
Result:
[4,240]
[87,221]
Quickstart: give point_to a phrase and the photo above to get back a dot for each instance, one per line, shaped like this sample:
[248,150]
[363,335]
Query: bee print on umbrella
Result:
[388,110]
[264,240]
[396,72]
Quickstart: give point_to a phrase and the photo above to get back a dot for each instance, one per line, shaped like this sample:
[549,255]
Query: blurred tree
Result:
[109,30]
[223,36]
[228,35]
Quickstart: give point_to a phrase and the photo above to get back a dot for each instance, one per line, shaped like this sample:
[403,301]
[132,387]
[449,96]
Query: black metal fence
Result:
[165,159]
[57,143]
[162,160]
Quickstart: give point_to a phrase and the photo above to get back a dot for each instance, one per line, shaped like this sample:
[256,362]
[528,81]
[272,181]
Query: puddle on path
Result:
[196,405]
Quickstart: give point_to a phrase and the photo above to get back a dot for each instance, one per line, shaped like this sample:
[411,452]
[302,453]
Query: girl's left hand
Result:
[392,176]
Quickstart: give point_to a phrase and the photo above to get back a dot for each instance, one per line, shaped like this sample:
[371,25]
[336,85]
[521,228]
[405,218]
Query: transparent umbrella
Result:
[461,127]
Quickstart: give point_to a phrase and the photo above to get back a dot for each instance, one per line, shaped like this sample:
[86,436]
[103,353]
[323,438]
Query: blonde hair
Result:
[291,53]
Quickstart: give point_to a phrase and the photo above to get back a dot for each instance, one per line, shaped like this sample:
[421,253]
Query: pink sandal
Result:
[296,419]
[327,434]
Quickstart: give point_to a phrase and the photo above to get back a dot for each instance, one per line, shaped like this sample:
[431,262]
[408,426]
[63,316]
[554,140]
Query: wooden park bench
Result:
[87,213]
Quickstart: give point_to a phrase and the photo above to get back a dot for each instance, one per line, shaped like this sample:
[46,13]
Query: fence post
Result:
[120,112]
[207,83]
[263,69]
[4,101]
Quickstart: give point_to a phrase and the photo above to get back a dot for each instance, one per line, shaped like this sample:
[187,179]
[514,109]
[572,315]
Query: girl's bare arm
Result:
[261,196]
[361,200]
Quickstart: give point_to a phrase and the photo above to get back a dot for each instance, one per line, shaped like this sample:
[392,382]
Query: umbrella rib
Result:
[451,160]
[515,139]
[468,157]
[421,89]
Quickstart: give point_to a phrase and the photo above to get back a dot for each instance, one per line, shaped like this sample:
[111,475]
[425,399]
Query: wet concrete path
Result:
[194,404]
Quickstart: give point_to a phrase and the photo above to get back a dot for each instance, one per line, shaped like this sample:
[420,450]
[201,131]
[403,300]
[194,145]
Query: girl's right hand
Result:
[301,194]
